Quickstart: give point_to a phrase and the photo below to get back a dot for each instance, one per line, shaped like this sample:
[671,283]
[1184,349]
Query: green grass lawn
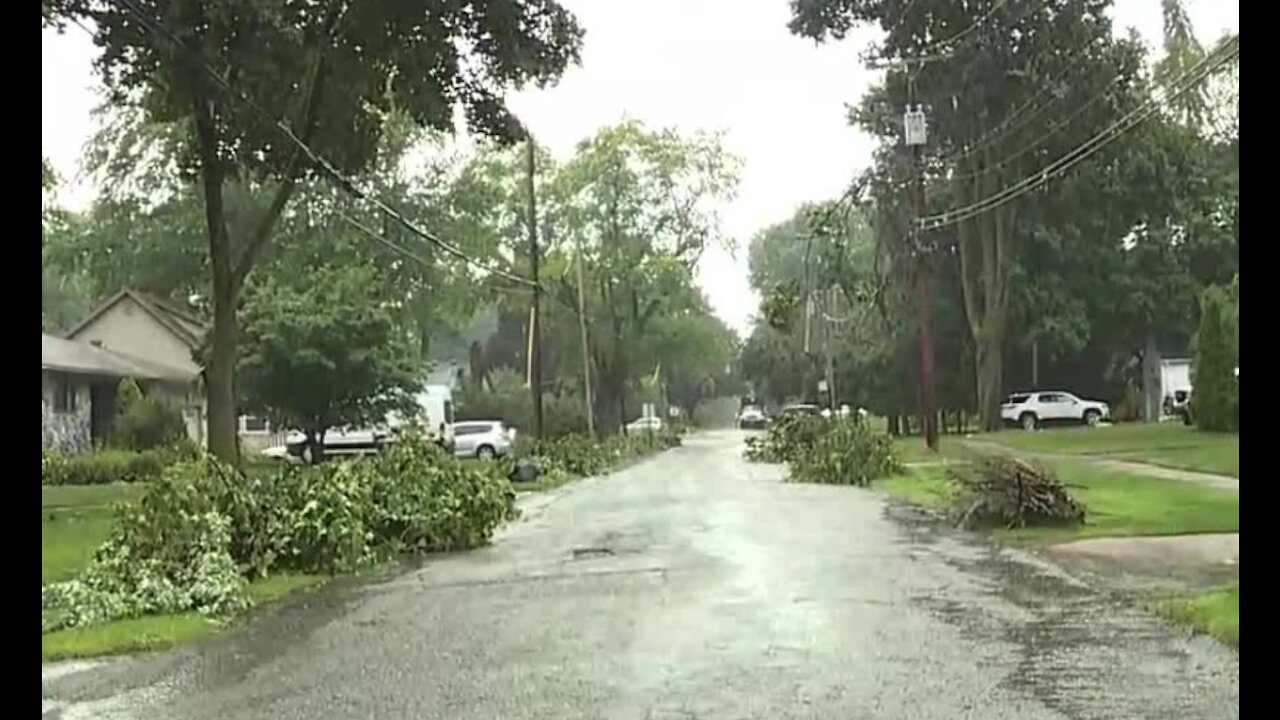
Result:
[911,449]
[1171,444]
[1119,504]
[1216,612]
[157,632]
[74,520]
[928,487]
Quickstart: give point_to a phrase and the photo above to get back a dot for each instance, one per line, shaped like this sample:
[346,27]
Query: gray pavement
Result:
[692,585]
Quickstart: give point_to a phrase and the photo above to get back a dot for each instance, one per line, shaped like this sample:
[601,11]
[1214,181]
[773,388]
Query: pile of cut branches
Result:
[1011,492]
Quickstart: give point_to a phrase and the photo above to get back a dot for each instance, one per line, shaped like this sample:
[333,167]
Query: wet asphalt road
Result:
[693,585]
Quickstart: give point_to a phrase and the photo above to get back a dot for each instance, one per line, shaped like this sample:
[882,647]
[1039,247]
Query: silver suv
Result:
[484,439]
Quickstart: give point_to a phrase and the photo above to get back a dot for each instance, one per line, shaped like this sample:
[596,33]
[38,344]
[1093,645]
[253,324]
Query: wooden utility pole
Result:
[586,347]
[831,363]
[535,329]
[914,122]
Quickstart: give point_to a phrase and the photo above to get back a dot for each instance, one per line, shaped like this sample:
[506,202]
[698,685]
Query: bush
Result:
[788,437]
[108,466]
[1216,397]
[203,529]
[846,453]
[424,500]
[142,423]
[1011,492]
[580,456]
[168,553]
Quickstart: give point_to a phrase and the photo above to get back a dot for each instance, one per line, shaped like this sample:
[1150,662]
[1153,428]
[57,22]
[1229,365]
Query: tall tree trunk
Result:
[986,259]
[231,267]
[1152,382]
[221,357]
[220,380]
[990,379]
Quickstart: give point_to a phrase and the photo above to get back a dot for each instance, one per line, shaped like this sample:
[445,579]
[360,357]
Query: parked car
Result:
[752,418]
[483,439]
[652,423]
[800,409]
[1031,410]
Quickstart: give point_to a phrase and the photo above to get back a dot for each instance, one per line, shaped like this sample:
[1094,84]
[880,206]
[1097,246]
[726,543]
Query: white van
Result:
[434,416]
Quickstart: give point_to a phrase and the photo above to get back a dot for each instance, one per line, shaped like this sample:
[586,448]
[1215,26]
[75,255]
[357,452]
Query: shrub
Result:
[581,456]
[202,529]
[425,500]
[1216,397]
[788,437]
[1011,492]
[845,453]
[142,423]
[170,552]
[108,466]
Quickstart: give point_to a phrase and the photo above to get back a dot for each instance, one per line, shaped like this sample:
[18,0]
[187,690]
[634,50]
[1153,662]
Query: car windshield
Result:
[523,359]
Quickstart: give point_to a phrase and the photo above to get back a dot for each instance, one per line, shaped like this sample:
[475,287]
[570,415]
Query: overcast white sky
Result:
[725,65]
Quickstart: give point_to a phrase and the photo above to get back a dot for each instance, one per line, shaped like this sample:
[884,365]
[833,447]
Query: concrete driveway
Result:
[692,585]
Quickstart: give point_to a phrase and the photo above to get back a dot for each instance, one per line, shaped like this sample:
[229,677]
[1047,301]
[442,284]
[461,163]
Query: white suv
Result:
[484,439]
[1031,410]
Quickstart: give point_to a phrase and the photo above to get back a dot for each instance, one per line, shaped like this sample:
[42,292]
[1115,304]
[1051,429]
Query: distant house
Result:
[136,325]
[78,382]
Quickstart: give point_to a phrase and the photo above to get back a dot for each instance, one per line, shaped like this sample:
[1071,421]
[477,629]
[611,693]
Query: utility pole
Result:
[916,136]
[535,329]
[831,364]
[1035,363]
[586,348]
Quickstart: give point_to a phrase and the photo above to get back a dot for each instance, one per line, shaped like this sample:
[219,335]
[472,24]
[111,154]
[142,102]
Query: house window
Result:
[64,396]
[253,424]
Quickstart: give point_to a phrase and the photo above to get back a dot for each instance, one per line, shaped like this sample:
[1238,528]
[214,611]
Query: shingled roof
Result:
[185,326]
[81,358]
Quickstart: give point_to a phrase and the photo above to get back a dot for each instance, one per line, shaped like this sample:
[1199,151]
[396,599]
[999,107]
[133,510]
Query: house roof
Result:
[81,358]
[185,326]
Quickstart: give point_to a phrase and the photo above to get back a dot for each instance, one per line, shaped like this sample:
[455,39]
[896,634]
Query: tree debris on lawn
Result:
[1011,492]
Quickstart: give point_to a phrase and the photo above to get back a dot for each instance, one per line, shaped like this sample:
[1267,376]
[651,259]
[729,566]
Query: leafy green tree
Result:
[334,72]
[1013,53]
[325,351]
[695,349]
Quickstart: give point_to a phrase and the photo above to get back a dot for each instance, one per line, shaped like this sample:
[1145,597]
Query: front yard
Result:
[1169,444]
[74,520]
[1119,504]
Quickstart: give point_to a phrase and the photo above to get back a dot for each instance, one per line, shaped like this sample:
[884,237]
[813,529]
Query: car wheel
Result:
[1092,418]
[1028,421]
[485,452]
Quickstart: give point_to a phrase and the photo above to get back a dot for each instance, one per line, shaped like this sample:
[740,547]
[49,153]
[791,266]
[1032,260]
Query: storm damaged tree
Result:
[333,72]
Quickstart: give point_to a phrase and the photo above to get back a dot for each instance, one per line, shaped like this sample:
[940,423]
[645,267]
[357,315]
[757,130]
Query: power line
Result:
[1041,138]
[1007,125]
[1191,77]
[1077,155]
[345,183]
